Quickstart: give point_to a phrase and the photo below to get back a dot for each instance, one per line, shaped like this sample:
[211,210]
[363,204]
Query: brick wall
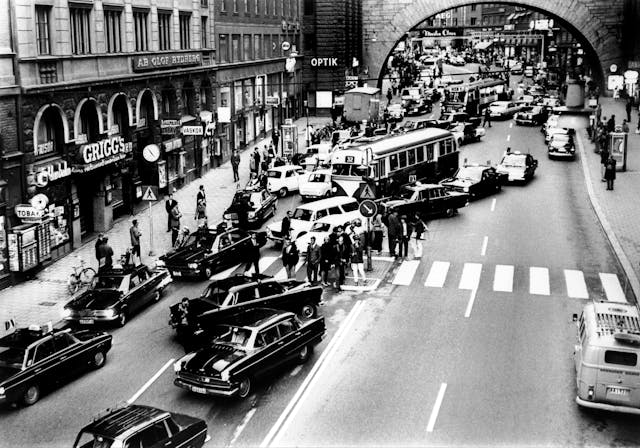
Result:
[8,124]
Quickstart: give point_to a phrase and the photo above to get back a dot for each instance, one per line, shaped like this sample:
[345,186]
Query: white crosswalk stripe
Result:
[612,288]
[539,281]
[263,264]
[470,278]
[503,278]
[576,286]
[282,273]
[405,273]
[437,274]
[226,273]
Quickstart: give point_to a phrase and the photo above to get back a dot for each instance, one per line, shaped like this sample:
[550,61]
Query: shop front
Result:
[171,170]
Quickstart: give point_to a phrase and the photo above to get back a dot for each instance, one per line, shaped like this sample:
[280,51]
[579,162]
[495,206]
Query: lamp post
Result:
[366,168]
[306,112]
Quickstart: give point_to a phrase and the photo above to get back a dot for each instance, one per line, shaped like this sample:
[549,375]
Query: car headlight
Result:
[192,265]
[177,366]
[66,312]
[251,215]
[109,313]
[2,391]
[466,189]
[227,216]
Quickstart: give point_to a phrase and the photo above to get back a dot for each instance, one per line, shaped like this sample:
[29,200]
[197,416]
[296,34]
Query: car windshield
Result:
[469,172]
[88,440]
[274,174]
[321,227]
[317,177]
[513,160]
[235,335]
[11,357]
[302,214]
[341,169]
[312,150]
[561,138]
[108,281]
[407,193]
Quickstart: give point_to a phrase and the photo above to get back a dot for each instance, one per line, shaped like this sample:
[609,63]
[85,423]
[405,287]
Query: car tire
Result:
[304,354]
[208,272]
[283,192]
[244,387]
[122,319]
[308,311]
[31,395]
[98,360]
[450,212]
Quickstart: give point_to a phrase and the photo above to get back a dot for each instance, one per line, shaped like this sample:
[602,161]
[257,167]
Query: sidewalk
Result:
[618,210]
[41,300]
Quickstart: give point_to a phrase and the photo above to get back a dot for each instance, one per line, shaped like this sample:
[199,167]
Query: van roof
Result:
[612,320]
[329,202]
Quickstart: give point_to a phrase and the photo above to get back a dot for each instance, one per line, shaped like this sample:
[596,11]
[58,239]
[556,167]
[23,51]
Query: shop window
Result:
[140,21]
[121,115]
[257,46]
[112,33]
[205,31]
[235,48]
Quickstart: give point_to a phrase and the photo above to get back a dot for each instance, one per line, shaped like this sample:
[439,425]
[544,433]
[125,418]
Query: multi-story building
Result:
[449,28]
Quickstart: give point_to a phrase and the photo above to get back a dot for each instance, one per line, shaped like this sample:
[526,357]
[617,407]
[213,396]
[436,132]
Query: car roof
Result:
[125,420]
[284,168]
[421,186]
[23,337]
[328,202]
[259,317]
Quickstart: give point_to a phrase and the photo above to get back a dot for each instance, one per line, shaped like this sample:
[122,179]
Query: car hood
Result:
[186,254]
[395,202]
[7,372]
[95,299]
[214,359]
[458,182]
[314,187]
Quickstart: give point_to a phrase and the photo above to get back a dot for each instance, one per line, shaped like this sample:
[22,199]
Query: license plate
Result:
[177,274]
[198,390]
[86,321]
[618,391]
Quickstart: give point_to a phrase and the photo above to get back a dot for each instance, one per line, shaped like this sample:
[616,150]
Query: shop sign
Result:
[272,101]
[114,129]
[192,130]
[162,174]
[104,149]
[14,261]
[169,127]
[160,61]
[81,139]
[634,64]
[439,33]
[351,81]
[51,172]
[142,122]
[27,212]
[172,144]
[631,76]
[615,82]
[210,129]
[44,148]
[324,62]
[224,114]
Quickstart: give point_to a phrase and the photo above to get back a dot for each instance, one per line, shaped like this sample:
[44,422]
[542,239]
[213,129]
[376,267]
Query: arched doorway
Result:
[121,180]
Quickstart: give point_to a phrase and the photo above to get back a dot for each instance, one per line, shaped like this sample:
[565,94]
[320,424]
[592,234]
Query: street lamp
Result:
[306,112]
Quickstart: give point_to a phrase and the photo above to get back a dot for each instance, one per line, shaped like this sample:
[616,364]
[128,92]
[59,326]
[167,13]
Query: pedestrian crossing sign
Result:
[150,193]
[366,192]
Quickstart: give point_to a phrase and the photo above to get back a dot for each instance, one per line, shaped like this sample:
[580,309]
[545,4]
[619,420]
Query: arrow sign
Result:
[366,192]
[150,193]
[368,208]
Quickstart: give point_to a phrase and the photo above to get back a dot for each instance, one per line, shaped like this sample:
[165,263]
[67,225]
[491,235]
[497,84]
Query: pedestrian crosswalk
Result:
[536,280]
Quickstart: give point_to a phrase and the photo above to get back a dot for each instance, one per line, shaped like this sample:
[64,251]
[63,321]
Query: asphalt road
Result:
[477,360]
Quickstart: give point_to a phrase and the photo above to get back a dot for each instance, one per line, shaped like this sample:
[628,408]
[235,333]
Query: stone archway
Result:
[385,22]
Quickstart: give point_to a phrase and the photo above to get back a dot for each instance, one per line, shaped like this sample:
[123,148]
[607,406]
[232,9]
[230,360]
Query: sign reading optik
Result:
[324,62]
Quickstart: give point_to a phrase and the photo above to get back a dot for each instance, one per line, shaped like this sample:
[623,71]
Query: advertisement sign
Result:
[44,148]
[224,114]
[192,130]
[162,174]
[272,101]
[28,213]
[615,82]
[172,144]
[324,62]
[14,261]
[160,61]
[104,152]
[618,147]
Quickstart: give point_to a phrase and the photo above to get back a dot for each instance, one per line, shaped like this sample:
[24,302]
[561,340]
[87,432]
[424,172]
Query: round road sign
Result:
[151,153]
[368,208]
[285,46]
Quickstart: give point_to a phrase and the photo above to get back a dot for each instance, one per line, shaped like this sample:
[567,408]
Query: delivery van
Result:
[606,357]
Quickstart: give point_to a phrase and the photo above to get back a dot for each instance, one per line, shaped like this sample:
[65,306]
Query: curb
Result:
[627,267]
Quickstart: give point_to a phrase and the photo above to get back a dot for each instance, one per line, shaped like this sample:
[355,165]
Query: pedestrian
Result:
[378,233]
[254,256]
[610,172]
[638,127]
[285,228]
[135,234]
[604,157]
[487,118]
[275,139]
[342,257]
[235,163]
[598,113]
[201,214]
[625,126]
[628,107]
[313,260]
[611,124]
[416,245]
[201,195]
[393,232]
[419,226]
[254,162]
[272,153]
[389,96]
[327,257]
[357,261]
[106,255]
[175,223]
[168,205]
[290,257]
[405,236]
[99,242]
[264,157]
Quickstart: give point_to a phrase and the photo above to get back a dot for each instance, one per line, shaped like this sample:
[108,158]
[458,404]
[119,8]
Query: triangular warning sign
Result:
[149,195]
[367,192]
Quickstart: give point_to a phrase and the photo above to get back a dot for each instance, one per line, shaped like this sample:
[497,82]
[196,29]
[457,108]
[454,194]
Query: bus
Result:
[386,163]
[475,96]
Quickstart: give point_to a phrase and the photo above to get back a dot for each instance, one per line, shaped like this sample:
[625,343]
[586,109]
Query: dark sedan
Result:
[35,359]
[426,200]
[257,203]
[257,344]
[476,180]
[209,251]
[116,294]
[531,115]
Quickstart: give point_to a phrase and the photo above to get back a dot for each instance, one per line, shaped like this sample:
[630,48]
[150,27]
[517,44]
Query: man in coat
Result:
[313,260]
[290,257]
[235,163]
[106,255]
[610,172]
[286,225]
[394,231]
[254,256]
[169,204]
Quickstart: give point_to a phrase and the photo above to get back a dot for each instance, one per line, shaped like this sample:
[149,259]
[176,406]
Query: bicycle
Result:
[81,276]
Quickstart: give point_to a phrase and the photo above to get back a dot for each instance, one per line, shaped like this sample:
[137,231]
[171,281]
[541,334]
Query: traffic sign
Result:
[366,192]
[150,193]
[368,208]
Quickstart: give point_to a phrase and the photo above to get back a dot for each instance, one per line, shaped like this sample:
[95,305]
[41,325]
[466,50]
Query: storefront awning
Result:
[482,45]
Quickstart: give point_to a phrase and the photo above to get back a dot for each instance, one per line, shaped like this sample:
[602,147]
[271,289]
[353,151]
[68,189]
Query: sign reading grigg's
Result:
[104,152]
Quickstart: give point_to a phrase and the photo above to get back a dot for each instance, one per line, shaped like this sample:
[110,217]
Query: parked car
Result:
[503,109]
[518,166]
[137,426]
[208,251]
[116,294]
[258,203]
[284,179]
[317,185]
[35,359]
[476,180]
[426,200]
[531,115]
[562,146]
[261,341]
[396,112]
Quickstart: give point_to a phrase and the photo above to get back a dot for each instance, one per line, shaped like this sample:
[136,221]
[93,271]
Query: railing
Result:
[48,72]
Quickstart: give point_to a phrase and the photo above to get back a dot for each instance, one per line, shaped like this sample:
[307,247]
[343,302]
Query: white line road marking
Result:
[539,281]
[291,410]
[503,278]
[263,264]
[493,204]
[485,241]
[405,273]
[226,273]
[295,371]
[242,425]
[472,299]
[612,288]
[576,286]
[150,382]
[437,274]
[470,276]
[511,124]
[508,137]
[436,407]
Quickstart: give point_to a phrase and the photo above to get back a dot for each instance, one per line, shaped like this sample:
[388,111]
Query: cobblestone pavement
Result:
[41,299]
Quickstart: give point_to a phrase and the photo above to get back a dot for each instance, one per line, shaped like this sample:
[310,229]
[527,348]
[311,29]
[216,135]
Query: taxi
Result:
[518,166]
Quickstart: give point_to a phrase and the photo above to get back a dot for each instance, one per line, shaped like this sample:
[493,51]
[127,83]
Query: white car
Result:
[324,227]
[396,111]
[503,109]
[316,185]
[318,154]
[283,179]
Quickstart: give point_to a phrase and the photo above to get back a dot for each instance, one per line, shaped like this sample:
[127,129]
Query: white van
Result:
[606,357]
[316,185]
[306,215]
[283,179]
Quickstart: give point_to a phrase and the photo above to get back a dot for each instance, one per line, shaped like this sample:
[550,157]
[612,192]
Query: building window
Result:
[282,11]
[473,7]
[266,7]
[42,29]
[223,48]
[185,31]
[235,48]
[246,6]
[223,5]
[205,31]
[257,6]
[310,42]
[455,21]
[80,30]
[164,30]
[274,5]
[112,30]
[141,30]
[235,6]
[473,20]
[246,47]
[257,46]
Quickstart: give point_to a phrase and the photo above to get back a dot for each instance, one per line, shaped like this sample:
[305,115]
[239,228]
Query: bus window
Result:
[341,169]
[403,159]
[620,358]
[411,156]
[420,153]
[381,169]
[430,152]
[393,162]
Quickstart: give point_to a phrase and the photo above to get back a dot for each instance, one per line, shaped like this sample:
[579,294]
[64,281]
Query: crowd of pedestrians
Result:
[601,135]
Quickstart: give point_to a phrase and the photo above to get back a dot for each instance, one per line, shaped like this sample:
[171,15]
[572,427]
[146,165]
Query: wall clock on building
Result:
[151,153]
